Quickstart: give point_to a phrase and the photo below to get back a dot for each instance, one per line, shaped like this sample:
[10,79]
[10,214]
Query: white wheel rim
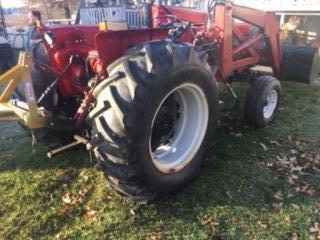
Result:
[271,104]
[189,130]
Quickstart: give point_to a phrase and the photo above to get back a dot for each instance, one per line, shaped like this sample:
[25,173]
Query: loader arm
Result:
[268,26]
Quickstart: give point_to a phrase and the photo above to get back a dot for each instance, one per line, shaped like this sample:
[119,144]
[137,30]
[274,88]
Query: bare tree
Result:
[48,6]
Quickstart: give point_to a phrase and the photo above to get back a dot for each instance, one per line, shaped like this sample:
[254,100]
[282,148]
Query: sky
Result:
[12,3]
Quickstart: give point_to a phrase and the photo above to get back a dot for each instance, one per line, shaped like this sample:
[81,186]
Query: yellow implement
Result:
[30,115]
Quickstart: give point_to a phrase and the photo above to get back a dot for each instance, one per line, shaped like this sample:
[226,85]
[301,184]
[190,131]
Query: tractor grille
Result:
[135,18]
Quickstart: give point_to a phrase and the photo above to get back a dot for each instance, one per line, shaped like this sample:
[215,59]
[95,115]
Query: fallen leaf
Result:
[283,160]
[229,194]
[295,176]
[290,180]
[294,236]
[278,195]
[153,235]
[66,199]
[270,165]
[295,206]
[277,205]
[317,203]
[287,218]
[293,151]
[275,143]
[317,170]
[315,228]
[90,212]
[296,169]
[210,221]
[303,155]
[262,225]
[293,159]
[290,195]
[264,147]
[306,189]
[248,233]
[82,192]
[238,135]
[74,200]
[132,212]
[64,208]
[292,137]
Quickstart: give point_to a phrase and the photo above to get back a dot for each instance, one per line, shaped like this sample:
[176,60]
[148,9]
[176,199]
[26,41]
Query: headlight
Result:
[48,37]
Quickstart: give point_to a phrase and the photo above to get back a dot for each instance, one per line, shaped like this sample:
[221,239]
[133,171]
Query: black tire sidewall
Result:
[269,86]
[256,99]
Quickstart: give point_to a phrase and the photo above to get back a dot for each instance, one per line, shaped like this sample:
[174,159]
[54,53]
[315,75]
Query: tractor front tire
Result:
[153,123]
[262,101]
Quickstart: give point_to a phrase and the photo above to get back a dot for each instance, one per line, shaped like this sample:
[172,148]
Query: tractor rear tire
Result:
[6,54]
[154,123]
[262,101]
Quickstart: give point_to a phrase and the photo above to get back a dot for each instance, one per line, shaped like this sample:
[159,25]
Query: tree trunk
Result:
[66,7]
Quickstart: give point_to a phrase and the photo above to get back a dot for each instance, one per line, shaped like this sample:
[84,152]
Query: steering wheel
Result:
[179,29]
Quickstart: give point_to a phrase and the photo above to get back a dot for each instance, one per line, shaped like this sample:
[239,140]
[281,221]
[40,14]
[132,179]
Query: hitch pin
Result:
[78,140]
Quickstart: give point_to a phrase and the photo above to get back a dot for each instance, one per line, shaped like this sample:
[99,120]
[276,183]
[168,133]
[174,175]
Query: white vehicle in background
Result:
[63,21]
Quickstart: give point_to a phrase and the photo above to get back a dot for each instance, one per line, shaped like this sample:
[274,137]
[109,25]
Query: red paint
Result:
[100,48]
[161,14]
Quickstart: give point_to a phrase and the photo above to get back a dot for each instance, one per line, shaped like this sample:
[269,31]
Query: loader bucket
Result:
[301,64]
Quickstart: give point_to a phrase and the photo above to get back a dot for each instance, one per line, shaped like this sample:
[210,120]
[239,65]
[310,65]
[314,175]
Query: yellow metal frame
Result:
[113,25]
[31,116]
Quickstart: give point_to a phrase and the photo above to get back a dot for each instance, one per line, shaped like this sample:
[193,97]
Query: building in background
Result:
[299,19]
[270,5]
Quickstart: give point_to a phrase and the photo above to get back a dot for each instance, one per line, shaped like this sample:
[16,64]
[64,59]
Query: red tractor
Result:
[144,101]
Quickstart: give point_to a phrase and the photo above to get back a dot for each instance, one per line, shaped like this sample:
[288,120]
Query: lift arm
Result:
[9,110]
[268,25]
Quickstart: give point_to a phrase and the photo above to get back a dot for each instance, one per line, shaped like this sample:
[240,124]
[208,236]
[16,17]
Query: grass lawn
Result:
[255,184]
